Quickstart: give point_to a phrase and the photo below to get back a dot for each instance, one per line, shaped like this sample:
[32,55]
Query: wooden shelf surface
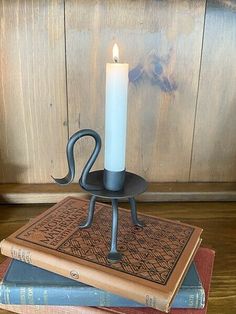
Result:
[156,192]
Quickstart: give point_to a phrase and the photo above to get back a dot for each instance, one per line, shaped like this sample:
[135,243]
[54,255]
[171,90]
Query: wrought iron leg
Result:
[114,256]
[89,220]
[134,217]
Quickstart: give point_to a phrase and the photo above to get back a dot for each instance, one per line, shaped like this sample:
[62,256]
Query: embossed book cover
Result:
[155,258]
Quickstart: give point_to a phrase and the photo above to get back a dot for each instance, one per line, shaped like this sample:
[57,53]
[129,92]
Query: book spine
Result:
[193,298]
[89,275]
[86,296]
[54,295]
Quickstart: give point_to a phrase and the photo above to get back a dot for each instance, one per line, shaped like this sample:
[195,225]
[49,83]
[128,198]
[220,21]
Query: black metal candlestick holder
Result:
[92,182]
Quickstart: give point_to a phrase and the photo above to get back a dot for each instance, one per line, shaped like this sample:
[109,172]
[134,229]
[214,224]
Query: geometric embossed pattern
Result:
[150,252]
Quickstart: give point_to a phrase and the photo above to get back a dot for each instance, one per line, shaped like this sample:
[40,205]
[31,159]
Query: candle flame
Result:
[115,52]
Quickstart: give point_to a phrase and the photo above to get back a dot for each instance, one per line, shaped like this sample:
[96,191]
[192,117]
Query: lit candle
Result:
[115,122]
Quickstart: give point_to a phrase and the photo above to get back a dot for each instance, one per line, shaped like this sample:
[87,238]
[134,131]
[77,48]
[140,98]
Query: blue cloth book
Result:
[27,284]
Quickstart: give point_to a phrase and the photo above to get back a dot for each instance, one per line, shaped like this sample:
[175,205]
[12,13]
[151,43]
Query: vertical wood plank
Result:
[161,40]
[214,147]
[33,109]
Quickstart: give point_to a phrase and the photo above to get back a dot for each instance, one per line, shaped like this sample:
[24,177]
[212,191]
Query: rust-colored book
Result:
[155,258]
[204,261]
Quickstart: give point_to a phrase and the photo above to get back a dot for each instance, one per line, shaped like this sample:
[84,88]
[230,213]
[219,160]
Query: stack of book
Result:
[56,267]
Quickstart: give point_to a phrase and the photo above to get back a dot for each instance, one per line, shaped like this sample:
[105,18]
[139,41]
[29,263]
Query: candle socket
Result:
[113,180]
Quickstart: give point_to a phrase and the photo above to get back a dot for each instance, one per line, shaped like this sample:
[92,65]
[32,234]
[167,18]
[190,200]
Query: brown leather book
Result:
[155,258]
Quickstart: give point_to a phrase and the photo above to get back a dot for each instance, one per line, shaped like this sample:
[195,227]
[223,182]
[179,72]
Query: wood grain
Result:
[33,112]
[217,219]
[48,45]
[214,147]
[161,41]
[156,192]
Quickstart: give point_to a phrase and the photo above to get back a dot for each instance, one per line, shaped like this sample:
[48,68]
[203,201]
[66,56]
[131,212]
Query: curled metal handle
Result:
[71,161]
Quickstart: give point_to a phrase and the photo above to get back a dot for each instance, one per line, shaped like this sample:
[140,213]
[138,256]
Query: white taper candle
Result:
[116,113]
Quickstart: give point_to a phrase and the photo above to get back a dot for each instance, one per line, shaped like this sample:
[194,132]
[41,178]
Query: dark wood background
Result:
[182,97]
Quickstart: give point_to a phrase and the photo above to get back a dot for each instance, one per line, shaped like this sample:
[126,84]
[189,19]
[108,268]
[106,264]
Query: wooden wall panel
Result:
[33,111]
[214,150]
[161,40]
